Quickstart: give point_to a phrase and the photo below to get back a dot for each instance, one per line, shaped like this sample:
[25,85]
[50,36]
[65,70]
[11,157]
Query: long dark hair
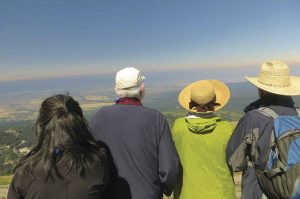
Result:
[63,138]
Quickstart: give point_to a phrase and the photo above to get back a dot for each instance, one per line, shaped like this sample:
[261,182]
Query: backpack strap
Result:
[298,111]
[280,166]
[266,111]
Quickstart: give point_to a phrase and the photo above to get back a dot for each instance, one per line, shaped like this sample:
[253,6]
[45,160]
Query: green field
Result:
[5,180]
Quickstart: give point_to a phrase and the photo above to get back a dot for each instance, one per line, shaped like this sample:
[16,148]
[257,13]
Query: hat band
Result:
[203,107]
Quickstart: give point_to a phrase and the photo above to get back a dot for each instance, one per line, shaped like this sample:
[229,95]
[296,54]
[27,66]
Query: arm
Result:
[239,145]
[238,150]
[168,158]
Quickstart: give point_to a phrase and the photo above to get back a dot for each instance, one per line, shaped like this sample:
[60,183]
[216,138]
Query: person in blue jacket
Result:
[139,139]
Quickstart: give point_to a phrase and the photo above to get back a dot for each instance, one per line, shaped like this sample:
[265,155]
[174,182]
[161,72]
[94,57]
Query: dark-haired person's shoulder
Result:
[103,148]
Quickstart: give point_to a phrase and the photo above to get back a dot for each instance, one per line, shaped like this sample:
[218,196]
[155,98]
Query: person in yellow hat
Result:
[201,139]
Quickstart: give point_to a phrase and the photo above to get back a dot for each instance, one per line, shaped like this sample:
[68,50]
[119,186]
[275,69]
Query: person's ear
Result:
[142,92]
[261,93]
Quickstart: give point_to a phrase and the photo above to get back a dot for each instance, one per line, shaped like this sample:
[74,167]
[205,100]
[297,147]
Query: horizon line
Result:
[112,71]
[58,75]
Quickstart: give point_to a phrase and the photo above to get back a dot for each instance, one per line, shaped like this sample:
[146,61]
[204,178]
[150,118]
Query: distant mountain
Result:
[242,93]
[161,91]
[103,83]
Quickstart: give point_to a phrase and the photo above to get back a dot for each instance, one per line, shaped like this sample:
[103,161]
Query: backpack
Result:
[280,179]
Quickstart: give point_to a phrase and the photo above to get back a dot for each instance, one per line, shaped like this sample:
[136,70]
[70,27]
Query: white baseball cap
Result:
[129,77]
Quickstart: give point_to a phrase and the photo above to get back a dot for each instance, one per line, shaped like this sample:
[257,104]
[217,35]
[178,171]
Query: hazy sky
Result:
[41,38]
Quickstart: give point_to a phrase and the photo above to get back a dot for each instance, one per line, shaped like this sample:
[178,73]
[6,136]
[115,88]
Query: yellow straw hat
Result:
[203,92]
[275,78]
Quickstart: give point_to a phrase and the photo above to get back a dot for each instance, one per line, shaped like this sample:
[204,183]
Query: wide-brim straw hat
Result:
[219,90]
[275,78]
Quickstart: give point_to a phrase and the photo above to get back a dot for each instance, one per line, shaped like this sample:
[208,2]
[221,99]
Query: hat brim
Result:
[221,90]
[293,89]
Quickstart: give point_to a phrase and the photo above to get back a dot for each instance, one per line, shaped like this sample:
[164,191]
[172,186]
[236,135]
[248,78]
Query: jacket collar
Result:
[270,100]
[129,101]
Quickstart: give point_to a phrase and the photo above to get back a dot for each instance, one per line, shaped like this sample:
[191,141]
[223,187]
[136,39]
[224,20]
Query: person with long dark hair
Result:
[66,161]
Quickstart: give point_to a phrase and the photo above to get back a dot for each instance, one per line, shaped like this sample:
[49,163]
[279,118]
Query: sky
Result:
[57,38]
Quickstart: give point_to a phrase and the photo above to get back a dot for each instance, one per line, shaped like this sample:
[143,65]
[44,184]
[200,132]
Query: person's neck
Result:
[129,101]
[270,100]
[201,115]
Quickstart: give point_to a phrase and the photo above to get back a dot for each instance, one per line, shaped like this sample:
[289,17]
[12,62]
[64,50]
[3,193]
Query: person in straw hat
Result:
[201,138]
[275,88]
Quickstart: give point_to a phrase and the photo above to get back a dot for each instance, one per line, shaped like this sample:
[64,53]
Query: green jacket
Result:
[201,144]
